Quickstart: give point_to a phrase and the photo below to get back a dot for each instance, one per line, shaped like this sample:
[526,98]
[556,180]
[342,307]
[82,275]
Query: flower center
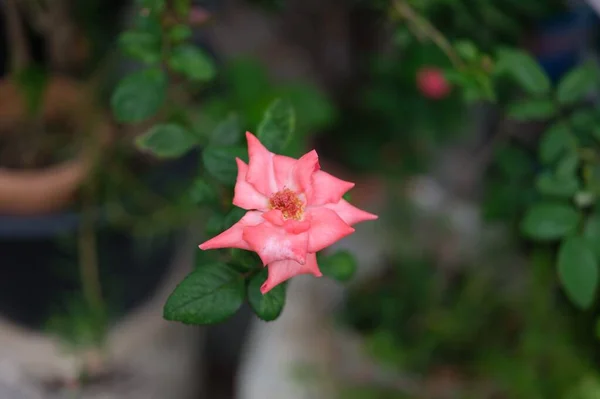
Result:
[288,203]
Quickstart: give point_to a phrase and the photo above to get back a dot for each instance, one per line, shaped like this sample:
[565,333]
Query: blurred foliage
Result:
[501,332]
[519,342]
[534,340]
[388,128]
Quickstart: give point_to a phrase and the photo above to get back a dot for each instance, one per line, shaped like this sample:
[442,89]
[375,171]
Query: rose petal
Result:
[296,174]
[327,189]
[349,213]
[245,195]
[283,171]
[285,269]
[296,226]
[274,216]
[326,227]
[261,173]
[232,237]
[304,169]
[272,243]
[292,226]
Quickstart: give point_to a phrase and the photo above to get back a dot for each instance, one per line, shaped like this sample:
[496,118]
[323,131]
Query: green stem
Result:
[425,28]
[88,254]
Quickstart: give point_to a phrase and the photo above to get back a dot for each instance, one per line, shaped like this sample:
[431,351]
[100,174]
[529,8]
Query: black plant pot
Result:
[39,258]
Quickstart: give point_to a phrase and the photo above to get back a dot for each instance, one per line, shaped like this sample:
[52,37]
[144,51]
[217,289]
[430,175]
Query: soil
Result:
[27,146]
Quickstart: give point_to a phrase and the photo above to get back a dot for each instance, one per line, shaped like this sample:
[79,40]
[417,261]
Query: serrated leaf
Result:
[168,140]
[277,126]
[140,45]
[139,95]
[228,132]
[269,306]
[555,141]
[534,109]
[578,271]
[549,184]
[220,162]
[577,83]
[192,62]
[340,266]
[246,259]
[549,221]
[524,69]
[210,294]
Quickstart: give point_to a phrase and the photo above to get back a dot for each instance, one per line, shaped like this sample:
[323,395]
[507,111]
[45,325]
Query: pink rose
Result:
[432,83]
[294,210]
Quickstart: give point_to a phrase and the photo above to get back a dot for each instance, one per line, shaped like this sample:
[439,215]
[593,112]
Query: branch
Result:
[425,28]
[17,38]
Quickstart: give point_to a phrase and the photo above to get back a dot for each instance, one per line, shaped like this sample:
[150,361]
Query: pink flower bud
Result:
[432,83]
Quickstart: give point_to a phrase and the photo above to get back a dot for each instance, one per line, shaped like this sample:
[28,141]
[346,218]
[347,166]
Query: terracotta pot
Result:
[28,192]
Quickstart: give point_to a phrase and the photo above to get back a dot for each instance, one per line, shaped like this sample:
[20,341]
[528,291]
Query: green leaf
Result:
[534,109]
[277,125]
[148,22]
[591,233]
[192,62]
[549,184]
[143,46]
[584,119]
[220,162]
[340,266]
[210,294]
[233,217]
[248,260]
[524,69]
[180,32]
[578,271]
[214,224]
[201,192]
[549,221]
[228,132]
[577,83]
[139,95]
[167,140]
[269,306]
[567,167]
[32,82]
[183,7]
[154,6]
[467,50]
[555,141]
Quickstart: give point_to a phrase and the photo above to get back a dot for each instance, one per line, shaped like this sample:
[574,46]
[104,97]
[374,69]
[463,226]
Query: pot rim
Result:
[24,192]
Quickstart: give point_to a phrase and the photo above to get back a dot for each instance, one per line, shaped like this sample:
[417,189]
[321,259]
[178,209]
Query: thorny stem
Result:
[425,28]
[17,39]
[88,255]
